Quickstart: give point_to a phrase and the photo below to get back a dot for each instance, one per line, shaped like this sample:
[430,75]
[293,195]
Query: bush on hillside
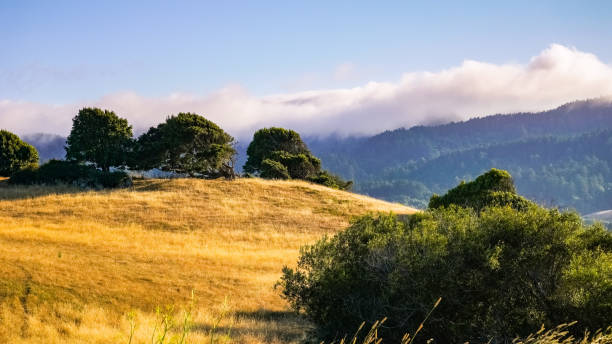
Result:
[271,169]
[494,187]
[66,172]
[278,153]
[331,181]
[502,272]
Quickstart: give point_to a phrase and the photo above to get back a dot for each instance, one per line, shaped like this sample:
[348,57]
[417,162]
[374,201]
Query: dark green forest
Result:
[560,158]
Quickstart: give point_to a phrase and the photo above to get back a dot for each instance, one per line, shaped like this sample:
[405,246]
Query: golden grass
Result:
[74,263]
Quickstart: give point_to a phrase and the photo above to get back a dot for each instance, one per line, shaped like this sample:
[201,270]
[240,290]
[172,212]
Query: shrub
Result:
[271,169]
[502,272]
[272,148]
[331,181]
[66,172]
[494,187]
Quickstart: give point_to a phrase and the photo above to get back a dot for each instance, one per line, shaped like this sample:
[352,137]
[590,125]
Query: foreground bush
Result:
[501,274]
[66,172]
[502,271]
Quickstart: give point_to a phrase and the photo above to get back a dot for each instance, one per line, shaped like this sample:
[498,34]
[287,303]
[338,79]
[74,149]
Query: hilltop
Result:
[75,263]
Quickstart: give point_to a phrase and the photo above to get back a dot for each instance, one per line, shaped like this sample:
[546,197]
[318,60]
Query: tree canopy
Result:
[269,141]
[186,143]
[278,153]
[15,154]
[99,137]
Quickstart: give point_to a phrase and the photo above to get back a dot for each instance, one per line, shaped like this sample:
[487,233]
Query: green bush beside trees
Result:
[15,154]
[278,153]
[71,173]
[501,270]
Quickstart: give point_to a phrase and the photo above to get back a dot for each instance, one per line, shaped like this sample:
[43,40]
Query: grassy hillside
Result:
[73,264]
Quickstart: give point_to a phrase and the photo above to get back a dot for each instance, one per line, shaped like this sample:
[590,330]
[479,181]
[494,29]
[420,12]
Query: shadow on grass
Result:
[265,325]
[16,192]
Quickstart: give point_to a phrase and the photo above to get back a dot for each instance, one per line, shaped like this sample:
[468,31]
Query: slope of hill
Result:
[73,264]
[408,165]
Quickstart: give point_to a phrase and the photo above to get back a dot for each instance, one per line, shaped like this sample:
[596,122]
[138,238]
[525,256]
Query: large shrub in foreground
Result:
[15,154]
[501,274]
[503,266]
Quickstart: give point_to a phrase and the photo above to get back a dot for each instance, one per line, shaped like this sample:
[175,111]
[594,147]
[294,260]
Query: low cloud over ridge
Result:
[557,75]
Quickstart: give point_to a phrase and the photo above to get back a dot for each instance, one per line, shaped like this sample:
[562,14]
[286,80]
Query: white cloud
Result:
[557,75]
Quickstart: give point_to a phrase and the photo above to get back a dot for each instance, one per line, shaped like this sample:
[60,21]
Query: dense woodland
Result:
[561,157]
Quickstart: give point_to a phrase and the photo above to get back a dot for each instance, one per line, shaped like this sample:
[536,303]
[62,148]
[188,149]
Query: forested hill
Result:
[560,157]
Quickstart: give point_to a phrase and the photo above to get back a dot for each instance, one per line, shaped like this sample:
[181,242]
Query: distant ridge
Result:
[408,165]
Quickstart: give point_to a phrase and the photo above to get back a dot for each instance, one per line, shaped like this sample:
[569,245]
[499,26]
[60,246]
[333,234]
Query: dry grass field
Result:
[74,264]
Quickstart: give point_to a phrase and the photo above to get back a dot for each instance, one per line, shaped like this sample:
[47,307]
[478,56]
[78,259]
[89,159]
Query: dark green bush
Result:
[67,172]
[271,169]
[331,181]
[278,153]
[502,271]
[299,166]
[501,274]
[26,176]
[492,188]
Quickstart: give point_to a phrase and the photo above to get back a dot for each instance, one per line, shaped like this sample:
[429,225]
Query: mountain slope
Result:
[74,263]
[408,165]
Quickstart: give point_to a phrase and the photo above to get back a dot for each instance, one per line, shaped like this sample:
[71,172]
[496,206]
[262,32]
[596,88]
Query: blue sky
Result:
[71,53]
[62,51]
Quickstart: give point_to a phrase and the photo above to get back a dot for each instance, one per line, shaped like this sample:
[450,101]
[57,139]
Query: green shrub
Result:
[502,271]
[331,181]
[271,169]
[277,153]
[26,176]
[501,274]
[67,172]
[493,188]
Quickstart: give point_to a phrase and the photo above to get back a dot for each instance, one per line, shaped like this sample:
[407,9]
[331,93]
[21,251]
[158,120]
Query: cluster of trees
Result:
[559,157]
[502,265]
[185,143]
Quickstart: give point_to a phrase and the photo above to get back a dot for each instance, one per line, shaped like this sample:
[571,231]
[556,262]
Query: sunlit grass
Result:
[74,264]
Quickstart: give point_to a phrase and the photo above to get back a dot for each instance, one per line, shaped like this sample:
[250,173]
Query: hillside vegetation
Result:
[74,263]
[561,157]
